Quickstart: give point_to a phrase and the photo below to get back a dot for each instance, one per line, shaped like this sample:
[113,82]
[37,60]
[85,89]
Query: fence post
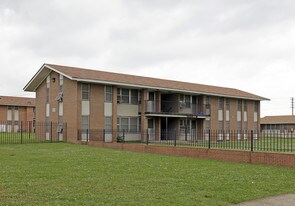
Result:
[104,135]
[209,140]
[252,141]
[21,132]
[51,132]
[123,136]
[87,136]
[175,138]
[147,136]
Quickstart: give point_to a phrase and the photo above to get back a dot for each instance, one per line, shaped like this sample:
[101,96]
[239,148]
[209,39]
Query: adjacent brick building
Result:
[278,123]
[13,111]
[91,100]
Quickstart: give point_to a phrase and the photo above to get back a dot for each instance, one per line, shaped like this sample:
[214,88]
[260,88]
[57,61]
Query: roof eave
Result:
[166,89]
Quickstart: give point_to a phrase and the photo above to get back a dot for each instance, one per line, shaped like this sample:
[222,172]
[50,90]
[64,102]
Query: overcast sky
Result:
[248,45]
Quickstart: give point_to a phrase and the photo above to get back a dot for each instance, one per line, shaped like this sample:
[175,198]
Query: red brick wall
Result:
[3,113]
[275,159]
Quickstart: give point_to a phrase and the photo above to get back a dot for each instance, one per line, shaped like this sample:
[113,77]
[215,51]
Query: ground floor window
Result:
[128,124]
[185,125]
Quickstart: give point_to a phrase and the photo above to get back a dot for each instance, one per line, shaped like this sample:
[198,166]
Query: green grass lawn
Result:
[68,174]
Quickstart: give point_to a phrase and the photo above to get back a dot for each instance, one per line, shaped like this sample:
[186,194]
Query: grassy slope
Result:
[67,174]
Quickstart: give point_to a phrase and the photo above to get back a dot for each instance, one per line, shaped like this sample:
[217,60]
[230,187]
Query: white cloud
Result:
[247,45]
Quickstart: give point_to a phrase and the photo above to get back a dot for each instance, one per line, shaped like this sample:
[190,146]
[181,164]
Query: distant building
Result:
[14,110]
[92,100]
[277,123]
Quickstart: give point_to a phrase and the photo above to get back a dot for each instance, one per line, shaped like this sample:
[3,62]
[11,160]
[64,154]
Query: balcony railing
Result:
[174,107]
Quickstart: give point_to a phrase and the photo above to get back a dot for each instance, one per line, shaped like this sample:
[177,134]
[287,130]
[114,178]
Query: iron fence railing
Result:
[32,132]
[279,141]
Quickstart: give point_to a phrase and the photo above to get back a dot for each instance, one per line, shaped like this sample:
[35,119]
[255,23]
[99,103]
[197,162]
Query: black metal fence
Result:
[32,132]
[271,141]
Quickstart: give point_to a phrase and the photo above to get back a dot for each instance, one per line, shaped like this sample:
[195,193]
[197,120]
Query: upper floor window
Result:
[185,101]
[227,105]
[256,106]
[61,82]
[85,91]
[239,105]
[128,96]
[108,93]
[220,103]
[245,105]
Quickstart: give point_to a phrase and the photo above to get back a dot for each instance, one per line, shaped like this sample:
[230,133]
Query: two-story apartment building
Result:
[89,100]
[14,110]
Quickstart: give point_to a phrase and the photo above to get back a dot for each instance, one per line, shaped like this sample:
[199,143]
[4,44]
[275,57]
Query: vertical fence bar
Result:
[252,141]
[87,136]
[51,132]
[21,132]
[175,138]
[209,139]
[147,136]
[123,136]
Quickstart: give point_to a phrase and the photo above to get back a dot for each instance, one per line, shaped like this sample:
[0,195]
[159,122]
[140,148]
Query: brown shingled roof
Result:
[283,119]
[80,73]
[17,101]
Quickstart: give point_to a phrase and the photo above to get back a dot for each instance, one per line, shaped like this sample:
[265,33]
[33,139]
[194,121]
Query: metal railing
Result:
[176,107]
[32,132]
[219,139]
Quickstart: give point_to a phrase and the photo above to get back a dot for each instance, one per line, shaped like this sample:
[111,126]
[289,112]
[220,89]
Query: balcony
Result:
[176,108]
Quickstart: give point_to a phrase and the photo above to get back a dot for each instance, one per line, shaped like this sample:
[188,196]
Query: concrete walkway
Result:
[280,200]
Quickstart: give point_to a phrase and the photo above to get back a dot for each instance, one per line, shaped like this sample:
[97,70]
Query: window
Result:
[128,124]
[220,103]
[185,124]
[134,96]
[85,91]
[185,101]
[133,124]
[239,105]
[220,125]
[128,96]
[85,122]
[108,124]
[227,104]
[47,123]
[256,106]
[47,88]
[61,82]
[123,96]
[60,124]
[47,95]
[108,93]
[245,105]
[245,126]
[207,124]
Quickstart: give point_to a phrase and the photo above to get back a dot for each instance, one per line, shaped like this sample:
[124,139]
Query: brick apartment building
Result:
[278,123]
[91,100]
[13,111]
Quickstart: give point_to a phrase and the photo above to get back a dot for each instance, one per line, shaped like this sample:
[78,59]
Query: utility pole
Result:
[292,105]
